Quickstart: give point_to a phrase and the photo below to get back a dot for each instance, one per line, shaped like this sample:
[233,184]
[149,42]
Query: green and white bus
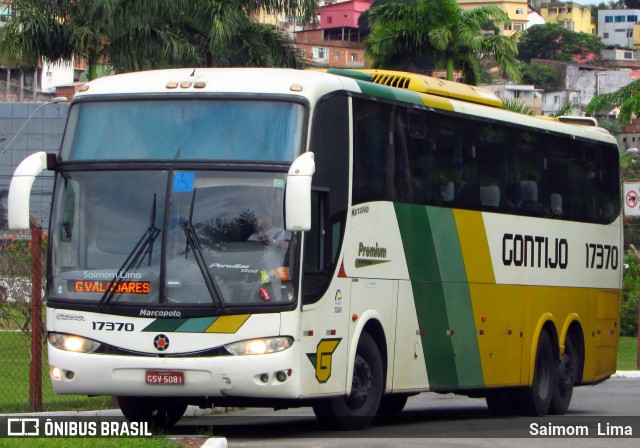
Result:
[339,239]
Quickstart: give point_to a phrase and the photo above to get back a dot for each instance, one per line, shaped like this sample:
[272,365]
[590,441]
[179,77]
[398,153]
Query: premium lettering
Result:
[372,251]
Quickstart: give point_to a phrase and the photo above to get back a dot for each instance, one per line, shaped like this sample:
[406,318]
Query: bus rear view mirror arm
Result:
[298,193]
[20,188]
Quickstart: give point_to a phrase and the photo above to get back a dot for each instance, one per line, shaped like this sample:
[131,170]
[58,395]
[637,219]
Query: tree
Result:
[149,34]
[626,98]
[542,76]
[439,31]
[551,41]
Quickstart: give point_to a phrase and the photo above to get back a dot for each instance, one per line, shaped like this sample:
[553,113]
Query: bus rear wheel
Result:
[567,374]
[358,409]
[158,412]
[536,400]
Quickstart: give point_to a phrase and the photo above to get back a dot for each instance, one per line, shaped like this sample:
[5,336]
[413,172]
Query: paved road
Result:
[437,420]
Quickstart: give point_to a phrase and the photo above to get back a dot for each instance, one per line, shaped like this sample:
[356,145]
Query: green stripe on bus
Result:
[447,244]
[441,294]
[457,298]
[196,325]
[164,324]
[428,294]
[391,93]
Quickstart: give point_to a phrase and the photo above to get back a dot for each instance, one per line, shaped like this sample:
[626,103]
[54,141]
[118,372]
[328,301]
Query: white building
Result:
[616,27]
[534,18]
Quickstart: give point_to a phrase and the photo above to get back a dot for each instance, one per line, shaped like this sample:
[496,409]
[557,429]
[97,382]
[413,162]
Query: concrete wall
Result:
[26,128]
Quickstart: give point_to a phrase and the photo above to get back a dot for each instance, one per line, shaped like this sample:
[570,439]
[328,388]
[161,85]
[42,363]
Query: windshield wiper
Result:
[134,259]
[196,248]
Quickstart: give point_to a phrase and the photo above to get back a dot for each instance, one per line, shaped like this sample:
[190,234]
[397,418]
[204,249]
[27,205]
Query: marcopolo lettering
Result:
[535,251]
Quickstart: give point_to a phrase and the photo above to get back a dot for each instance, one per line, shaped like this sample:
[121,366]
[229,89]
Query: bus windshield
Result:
[184,130]
[187,238]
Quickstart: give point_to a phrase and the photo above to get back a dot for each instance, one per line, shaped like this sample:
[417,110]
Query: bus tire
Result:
[392,404]
[158,412]
[536,400]
[567,374]
[357,410]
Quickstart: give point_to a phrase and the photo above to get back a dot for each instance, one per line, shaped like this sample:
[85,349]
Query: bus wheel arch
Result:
[357,408]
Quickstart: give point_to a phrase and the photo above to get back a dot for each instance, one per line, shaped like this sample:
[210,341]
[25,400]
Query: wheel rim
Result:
[362,384]
[568,373]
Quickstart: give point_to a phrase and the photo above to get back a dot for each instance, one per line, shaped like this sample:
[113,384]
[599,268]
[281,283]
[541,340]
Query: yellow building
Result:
[517,10]
[571,16]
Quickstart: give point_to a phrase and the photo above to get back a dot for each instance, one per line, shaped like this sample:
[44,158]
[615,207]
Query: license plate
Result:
[164,377]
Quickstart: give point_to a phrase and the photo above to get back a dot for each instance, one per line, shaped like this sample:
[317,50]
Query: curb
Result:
[626,374]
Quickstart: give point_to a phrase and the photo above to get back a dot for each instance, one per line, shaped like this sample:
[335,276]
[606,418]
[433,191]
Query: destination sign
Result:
[123,287]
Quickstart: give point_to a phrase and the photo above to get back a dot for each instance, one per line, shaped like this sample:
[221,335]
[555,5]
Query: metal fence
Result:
[24,371]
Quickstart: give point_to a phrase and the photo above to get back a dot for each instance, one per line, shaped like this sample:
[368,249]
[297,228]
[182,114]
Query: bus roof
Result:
[312,84]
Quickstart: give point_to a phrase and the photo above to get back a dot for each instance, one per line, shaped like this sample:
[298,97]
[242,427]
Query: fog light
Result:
[264,377]
[281,376]
[55,373]
[69,375]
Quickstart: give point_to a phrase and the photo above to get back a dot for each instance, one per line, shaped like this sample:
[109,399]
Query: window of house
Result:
[329,19]
[605,35]
[561,10]
[319,53]
[632,18]
[556,99]
[519,11]
[518,26]
[630,32]
[507,27]
[336,56]
[608,19]
[620,19]
[553,10]
[628,55]
[354,57]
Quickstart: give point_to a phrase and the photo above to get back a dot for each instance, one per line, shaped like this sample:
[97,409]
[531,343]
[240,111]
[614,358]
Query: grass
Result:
[14,380]
[107,442]
[628,353]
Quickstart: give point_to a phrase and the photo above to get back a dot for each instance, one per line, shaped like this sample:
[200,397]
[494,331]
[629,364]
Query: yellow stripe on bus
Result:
[475,247]
[228,324]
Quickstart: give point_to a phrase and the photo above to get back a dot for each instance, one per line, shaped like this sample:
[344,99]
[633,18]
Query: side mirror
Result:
[20,188]
[298,193]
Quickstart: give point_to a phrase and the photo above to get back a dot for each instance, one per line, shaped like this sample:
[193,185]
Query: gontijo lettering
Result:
[535,251]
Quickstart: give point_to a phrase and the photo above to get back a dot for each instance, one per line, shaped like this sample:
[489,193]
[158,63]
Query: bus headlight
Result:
[260,346]
[73,343]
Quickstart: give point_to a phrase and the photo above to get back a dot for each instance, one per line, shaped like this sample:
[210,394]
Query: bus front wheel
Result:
[158,412]
[358,409]
[536,400]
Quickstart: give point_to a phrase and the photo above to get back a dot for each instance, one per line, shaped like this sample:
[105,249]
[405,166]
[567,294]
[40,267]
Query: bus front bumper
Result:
[256,376]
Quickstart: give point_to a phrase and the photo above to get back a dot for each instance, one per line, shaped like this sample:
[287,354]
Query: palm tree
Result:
[627,98]
[149,34]
[439,31]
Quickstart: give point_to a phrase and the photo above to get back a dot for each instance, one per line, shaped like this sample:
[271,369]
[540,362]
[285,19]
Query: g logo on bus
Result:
[161,342]
[322,358]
